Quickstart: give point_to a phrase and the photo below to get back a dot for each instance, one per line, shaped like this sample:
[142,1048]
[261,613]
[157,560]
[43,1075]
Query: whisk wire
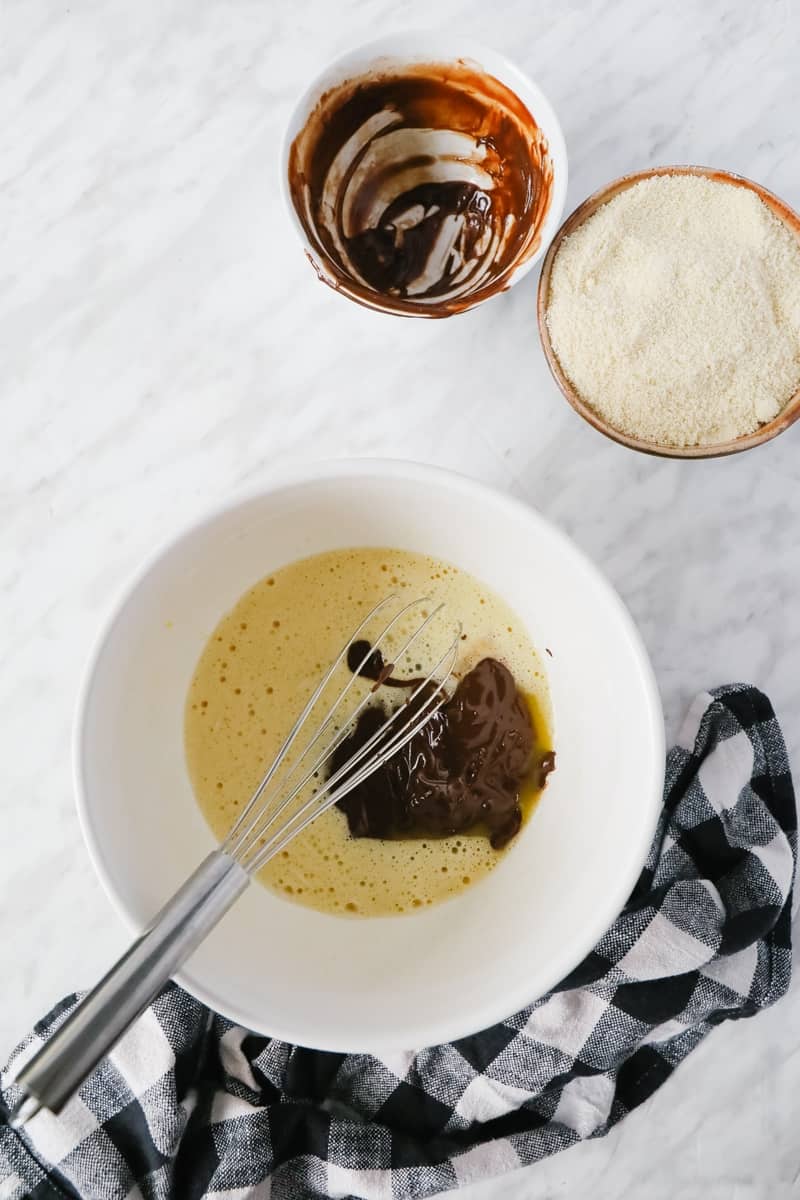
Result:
[346,689]
[234,839]
[346,779]
[265,817]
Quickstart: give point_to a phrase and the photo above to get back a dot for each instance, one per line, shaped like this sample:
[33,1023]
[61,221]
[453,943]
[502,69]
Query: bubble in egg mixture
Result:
[261,664]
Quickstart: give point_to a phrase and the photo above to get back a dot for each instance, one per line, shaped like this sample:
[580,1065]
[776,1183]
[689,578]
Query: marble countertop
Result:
[163,342]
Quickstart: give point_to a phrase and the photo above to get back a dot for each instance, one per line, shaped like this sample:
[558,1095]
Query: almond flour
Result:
[674,311]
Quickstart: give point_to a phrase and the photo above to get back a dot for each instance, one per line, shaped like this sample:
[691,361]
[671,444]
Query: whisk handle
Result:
[93,1028]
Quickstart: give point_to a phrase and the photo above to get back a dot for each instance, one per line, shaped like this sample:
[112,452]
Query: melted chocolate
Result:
[375,667]
[390,258]
[421,189]
[465,766]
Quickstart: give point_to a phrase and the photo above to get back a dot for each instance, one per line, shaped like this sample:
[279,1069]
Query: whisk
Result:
[279,809]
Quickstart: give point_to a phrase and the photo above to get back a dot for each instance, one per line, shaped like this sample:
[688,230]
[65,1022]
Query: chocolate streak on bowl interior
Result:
[421,187]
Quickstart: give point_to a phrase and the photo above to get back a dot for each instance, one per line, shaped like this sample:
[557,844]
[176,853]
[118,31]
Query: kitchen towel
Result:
[190,1106]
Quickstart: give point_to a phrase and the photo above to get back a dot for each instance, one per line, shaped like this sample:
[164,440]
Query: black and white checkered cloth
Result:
[191,1106]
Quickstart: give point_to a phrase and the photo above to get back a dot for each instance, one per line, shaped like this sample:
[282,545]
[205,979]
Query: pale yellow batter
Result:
[261,664]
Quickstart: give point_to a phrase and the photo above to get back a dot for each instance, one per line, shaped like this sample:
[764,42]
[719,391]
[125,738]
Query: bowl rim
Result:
[766,432]
[444,1029]
[411,46]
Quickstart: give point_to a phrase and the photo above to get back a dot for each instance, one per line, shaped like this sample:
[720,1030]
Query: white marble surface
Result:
[163,342]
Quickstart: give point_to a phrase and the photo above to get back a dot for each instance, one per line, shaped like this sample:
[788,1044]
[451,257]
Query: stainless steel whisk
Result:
[275,813]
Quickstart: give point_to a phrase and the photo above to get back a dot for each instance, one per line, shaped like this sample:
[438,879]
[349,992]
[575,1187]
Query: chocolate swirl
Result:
[421,191]
[463,770]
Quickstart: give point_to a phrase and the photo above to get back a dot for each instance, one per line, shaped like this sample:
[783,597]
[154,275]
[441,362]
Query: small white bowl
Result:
[428,47]
[395,982]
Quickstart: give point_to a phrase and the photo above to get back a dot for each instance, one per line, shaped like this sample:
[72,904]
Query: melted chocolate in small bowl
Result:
[421,188]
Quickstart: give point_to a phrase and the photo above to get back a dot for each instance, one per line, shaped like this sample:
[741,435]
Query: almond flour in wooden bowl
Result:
[669,309]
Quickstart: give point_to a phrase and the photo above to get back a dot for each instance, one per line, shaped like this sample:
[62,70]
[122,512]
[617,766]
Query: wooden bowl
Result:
[788,414]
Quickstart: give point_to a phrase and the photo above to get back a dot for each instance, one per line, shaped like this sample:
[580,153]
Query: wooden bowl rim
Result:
[790,411]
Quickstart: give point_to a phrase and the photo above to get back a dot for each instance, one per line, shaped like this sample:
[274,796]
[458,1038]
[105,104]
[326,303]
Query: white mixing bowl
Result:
[396,982]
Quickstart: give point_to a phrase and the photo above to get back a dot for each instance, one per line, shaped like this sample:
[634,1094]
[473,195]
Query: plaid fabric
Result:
[189,1105]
